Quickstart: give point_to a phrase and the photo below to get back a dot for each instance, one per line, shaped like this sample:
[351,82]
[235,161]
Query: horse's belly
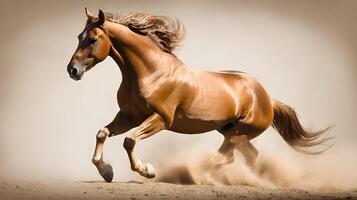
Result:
[194,126]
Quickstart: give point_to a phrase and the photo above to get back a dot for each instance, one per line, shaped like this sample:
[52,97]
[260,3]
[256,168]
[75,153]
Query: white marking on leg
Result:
[101,137]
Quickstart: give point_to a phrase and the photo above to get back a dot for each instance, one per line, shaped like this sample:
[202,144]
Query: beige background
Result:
[303,52]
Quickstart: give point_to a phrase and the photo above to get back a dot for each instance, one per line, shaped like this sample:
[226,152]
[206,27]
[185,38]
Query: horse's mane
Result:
[167,32]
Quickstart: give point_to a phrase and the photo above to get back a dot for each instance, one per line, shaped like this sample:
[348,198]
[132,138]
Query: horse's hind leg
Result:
[234,139]
[249,152]
[225,154]
[231,142]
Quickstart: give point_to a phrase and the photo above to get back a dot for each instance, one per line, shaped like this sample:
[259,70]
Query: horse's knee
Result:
[102,134]
[129,143]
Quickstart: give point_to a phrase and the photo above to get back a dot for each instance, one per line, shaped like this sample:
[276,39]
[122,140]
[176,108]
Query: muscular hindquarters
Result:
[260,113]
[233,99]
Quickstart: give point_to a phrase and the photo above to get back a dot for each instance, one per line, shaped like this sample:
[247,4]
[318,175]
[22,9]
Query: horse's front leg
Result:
[119,125]
[149,127]
[105,170]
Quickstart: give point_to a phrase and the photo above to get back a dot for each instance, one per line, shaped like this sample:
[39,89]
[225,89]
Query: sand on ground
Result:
[15,189]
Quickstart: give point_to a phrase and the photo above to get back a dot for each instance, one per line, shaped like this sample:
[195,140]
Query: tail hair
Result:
[286,122]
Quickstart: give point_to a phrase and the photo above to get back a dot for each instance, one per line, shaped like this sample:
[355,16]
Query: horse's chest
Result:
[132,103]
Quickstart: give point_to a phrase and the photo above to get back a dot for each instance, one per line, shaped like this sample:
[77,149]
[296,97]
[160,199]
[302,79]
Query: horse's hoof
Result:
[150,170]
[107,173]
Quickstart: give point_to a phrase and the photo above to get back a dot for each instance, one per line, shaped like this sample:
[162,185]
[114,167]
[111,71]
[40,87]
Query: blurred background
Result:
[303,52]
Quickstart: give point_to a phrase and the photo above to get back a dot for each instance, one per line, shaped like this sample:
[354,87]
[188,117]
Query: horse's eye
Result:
[92,41]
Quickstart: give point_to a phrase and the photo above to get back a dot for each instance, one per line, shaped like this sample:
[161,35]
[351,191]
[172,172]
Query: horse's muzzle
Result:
[73,72]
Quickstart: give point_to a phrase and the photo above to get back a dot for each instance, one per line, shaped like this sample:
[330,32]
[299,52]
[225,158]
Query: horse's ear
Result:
[101,17]
[90,16]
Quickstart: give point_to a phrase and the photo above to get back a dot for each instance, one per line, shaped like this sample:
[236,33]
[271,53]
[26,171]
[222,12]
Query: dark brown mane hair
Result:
[167,32]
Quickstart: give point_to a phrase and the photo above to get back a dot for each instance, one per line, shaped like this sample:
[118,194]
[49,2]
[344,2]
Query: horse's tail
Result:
[287,124]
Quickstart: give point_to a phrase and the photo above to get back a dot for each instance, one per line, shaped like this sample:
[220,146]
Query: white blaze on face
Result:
[84,35]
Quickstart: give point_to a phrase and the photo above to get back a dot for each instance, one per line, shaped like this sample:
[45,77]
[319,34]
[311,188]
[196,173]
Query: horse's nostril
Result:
[73,71]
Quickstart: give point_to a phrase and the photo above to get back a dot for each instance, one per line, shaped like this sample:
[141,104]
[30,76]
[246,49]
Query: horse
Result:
[159,92]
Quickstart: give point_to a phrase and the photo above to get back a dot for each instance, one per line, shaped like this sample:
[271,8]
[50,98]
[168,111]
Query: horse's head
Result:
[93,47]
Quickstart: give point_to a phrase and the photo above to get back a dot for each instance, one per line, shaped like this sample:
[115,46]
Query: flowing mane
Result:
[167,32]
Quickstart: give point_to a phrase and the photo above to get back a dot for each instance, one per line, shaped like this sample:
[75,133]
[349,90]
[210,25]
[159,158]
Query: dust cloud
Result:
[270,171]
[303,52]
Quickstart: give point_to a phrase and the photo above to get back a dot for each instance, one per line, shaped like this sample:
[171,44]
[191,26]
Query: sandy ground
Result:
[137,190]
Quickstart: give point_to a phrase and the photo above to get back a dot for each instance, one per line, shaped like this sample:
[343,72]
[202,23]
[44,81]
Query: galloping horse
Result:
[158,91]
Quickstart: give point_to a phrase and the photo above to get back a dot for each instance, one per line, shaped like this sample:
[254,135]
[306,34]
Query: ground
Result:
[137,190]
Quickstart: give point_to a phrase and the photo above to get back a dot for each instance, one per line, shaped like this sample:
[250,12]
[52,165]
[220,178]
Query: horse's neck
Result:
[127,72]
[129,52]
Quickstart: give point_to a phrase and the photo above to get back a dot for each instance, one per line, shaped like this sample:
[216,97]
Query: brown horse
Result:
[159,92]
